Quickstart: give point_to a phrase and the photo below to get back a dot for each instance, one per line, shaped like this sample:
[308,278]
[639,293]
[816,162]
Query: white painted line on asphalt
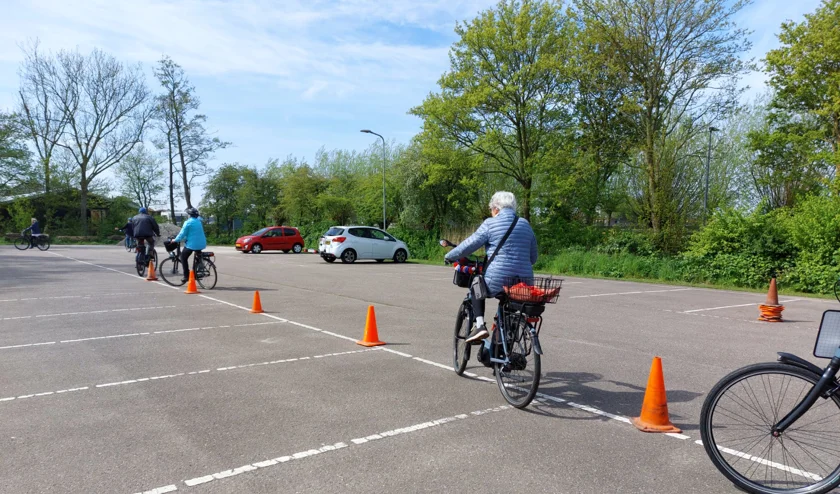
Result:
[763,461]
[161,490]
[338,446]
[193,373]
[98,295]
[733,306]
[81,313]
[632,293]
[126,335]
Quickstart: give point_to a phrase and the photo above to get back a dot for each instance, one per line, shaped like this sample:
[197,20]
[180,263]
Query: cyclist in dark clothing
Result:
[145,229]
[128,229]
[34,229]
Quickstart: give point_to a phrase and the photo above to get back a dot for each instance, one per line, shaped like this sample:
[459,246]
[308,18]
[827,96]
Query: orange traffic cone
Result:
[191,288]
[770,310]
[256,308]
[371,337]
[151,276]
[654,417]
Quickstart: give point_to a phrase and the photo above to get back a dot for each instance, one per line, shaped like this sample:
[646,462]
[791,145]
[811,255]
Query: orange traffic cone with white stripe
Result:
[151,275]
[654,417]
[371,337]
[191,287]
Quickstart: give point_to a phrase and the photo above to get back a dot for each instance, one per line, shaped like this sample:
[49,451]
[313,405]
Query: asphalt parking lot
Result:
[109,383]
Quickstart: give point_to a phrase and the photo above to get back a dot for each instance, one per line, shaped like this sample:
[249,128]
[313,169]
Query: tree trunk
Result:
[652,187]
[171,180]
[183,165]
[83,192]
[526,200]
[46,162]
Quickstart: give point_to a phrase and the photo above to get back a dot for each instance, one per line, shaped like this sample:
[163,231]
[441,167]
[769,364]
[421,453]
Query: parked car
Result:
[285,238]
[349,243]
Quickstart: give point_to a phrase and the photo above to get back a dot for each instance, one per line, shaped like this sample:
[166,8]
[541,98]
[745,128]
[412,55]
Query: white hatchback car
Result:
[349,243]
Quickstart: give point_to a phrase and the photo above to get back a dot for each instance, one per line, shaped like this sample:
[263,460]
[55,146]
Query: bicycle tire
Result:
[140,266]
[837,289]
[44,243]
[461,349]
[518,386]
[21,243]
[776,471]
[170,271]
[206,275]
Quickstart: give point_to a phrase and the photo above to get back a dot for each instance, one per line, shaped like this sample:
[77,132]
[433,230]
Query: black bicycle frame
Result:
[500,318]
[821,389]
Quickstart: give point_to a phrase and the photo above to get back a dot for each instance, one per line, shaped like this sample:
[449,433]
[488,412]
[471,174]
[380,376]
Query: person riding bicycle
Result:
[34,229]
[145,229]
[515,259]
[128,229]
[192,233]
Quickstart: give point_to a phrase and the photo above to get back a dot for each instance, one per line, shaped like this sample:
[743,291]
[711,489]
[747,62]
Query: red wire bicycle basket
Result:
[537,290]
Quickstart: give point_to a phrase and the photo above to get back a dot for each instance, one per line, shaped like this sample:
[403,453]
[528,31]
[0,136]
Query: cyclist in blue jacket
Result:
[192,233]
[34,229]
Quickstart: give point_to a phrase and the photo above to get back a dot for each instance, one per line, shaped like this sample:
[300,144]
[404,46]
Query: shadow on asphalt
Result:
[242,289]
[577,387]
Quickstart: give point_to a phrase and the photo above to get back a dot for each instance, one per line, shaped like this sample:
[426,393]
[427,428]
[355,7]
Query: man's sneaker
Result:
[478,333]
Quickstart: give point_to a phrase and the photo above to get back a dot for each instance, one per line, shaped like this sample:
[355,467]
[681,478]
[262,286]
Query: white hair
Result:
[502,200]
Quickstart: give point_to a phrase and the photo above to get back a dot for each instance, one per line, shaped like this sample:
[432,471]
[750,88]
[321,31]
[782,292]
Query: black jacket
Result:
[145,226]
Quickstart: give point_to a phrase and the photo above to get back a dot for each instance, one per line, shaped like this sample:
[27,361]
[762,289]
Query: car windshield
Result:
[259,232]
[334,231]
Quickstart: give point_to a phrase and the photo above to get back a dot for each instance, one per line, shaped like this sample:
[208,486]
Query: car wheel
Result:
[256,248]
[297,248]
[348,256]
[400,256]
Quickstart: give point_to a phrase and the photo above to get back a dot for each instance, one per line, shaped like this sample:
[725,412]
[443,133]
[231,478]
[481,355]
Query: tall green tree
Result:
[683,59]
[187,139]
[221,194]
[506,95]
[805,72]
[16,168]
[141,176]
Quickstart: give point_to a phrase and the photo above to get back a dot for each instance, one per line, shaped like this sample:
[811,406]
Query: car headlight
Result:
[246,240]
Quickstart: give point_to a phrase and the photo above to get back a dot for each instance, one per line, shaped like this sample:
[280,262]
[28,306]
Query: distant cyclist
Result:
[128,229]
[34,229]
[145,229]
[192,233]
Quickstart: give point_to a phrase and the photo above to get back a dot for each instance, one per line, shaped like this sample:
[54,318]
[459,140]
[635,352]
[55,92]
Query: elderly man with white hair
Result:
[515,258]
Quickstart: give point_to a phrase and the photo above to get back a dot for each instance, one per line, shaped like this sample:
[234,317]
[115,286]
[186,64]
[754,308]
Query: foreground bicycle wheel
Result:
[736,422]
[461,349]
[206,275]
[837,290]
[519,380]
[21,243]
[44,243]
[170,271]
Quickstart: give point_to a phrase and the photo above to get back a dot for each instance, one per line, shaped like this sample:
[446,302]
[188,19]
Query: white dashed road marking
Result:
[104,311]
[733,306]
[115,336]
[631,293]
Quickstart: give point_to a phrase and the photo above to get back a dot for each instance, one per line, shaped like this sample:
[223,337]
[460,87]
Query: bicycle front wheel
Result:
[170,271]
[206,275]
[44,243]
[21,243]
[519,380]
[461,349]
[140,265]
[736,422]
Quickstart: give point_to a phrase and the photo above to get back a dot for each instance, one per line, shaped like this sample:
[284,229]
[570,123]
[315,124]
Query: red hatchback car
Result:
[283,238]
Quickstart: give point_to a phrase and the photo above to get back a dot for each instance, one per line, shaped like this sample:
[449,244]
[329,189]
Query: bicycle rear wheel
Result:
[140,265]
[21,243]
[519,380]
[736,422]
[461,349]
[170,271]
[206,274]
[44,243]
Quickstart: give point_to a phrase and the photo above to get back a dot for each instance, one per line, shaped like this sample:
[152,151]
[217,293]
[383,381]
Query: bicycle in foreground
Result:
[171,269]
[513,349]
[775,427]
[143,257]
[25,241]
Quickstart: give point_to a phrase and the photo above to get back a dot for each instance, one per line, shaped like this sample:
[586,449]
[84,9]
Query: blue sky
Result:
[286,77]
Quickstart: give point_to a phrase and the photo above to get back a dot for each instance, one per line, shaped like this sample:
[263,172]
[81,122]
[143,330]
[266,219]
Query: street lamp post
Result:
[708,159]
[366,131]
